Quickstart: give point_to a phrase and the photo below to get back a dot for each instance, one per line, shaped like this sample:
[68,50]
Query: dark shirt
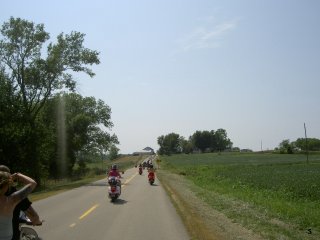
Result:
[23,205]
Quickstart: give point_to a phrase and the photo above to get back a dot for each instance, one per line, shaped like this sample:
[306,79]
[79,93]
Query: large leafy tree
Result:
[31,76]
[202,140]
[80,125]
[222,142]
[211,140]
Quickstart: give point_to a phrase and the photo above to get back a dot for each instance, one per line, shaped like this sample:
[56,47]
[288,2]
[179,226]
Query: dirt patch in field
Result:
[201,220]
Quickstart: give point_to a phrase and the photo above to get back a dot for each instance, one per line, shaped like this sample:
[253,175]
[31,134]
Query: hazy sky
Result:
[251,67]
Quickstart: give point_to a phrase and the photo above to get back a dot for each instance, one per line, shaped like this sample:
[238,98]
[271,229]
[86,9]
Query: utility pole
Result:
[305,134]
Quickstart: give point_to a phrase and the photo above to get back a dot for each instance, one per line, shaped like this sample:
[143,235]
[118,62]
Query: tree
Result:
[212,141]
[35,78]
[313,144]
[32,77]
[222,140]
[201,140]
[113,152]
[80,125]
[186,146]
[286,147]
[169,144]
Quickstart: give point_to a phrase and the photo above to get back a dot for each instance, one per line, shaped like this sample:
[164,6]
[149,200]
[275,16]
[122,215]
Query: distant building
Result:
[149,149]
[145,151]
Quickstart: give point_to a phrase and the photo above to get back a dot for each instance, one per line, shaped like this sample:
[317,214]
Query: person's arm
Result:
[33,215]
[29,183]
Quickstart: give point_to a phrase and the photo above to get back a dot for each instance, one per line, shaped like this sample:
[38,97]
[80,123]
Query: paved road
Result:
[86,213]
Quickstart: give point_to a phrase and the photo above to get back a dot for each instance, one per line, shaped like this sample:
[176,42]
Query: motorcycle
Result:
[140,170]
[151,177]
[114,189]
[26,233]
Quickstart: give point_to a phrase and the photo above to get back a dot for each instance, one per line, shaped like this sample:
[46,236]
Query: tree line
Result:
[301,144]
[45,126]
[200,141]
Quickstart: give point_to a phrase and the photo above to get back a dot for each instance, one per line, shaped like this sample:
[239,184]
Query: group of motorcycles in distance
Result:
[114,189]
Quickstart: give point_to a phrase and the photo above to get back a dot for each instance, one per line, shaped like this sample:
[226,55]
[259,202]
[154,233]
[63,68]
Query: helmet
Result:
[114,167]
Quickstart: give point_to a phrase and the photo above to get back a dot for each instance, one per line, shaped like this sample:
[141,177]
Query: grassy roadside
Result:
[253,203]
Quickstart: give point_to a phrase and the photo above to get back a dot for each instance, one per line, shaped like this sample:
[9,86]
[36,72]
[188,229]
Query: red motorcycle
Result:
[151,177]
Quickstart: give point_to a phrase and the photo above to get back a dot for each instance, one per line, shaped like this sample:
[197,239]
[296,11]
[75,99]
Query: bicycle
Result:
[27,233]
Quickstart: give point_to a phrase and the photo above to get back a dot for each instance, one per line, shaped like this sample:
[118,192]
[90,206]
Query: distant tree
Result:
[222,140]
[313,144]
[212,141]
[186,146]
[286,147]
[236,149]
[113,152]
[169,144]
[202,140]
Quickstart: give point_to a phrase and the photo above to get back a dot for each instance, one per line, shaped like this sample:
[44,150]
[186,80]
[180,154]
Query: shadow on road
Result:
[120,202]
[156,185]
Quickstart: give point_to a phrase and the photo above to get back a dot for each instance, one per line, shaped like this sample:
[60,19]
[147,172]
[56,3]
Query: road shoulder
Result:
[202,221]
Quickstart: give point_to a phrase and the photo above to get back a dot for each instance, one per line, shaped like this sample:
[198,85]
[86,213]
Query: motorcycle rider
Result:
[140,168]
[151,171]
[115,173]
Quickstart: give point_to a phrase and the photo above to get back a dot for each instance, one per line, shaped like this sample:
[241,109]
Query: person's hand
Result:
[14,176]
[14,179]
[37,223]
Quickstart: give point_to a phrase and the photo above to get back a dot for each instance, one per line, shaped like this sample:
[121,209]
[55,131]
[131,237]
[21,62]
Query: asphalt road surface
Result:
[86,213]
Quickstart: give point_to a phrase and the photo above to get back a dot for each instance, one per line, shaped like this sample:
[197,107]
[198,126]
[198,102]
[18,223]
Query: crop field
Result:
[277,186]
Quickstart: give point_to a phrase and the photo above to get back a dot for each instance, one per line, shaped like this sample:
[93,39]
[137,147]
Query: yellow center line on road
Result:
[88,212]
[95,206]
[129,179]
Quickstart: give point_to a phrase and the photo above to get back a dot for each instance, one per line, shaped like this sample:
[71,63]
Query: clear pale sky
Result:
[250,67]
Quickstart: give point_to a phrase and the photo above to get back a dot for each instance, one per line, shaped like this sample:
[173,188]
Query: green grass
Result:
[278,186]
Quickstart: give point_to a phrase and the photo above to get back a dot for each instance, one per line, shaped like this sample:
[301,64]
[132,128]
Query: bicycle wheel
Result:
[28,233]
